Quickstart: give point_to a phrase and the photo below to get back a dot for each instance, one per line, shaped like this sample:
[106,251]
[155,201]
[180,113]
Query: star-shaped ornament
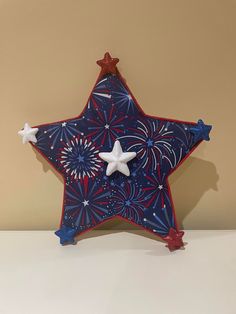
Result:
[28,134]
[115,160]
[66,235]
[174,239]
[108,64]
[201,131]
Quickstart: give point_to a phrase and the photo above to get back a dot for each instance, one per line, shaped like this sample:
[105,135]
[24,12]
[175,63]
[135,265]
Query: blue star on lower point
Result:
[66,235]
[72,147]
[201,131]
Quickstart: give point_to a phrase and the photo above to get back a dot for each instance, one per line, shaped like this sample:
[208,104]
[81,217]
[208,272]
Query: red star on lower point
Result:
[174,239]
[108,64]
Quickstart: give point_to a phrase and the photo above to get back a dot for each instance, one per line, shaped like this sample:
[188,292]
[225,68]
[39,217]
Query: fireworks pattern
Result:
[106,126]
[122,97]
[91,197]
[129,201]
[86,204]
[79,158]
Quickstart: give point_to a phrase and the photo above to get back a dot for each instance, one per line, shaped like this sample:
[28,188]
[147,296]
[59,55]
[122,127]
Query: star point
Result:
[66,235]
[201,131]
[108,64]
[174,239]
[28,134]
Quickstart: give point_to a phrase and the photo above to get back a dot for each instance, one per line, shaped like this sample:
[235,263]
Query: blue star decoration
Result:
[201,131]
[66,235]
[91,197]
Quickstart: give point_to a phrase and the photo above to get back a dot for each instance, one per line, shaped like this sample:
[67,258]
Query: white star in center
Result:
[117,159]
[160,186]
[106,126]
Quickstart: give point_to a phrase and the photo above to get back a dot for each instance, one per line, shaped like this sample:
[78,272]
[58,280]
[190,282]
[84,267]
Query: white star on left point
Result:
[85,203]
[28,134]
[117,159]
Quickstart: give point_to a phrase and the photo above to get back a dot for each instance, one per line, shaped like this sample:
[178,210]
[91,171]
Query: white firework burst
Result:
[79,158]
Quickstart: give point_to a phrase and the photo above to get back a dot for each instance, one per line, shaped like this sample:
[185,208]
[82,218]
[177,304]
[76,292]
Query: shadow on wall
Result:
[187,186]
[46,165]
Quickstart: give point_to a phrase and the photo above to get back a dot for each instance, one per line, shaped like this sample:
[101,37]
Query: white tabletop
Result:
[117,273]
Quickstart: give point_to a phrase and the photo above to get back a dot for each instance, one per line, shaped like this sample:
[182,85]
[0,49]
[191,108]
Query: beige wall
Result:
[180,53]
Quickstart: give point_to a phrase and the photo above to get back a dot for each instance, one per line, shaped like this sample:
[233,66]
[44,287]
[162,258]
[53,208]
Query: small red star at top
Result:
[174,239]
[108,64]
